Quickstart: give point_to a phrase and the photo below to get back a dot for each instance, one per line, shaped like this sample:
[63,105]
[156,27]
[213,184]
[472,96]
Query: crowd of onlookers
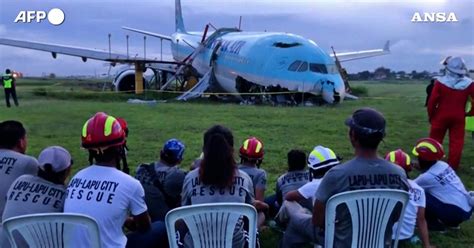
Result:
[437,198]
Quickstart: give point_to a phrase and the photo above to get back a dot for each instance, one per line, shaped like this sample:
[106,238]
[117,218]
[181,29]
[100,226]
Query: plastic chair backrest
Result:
[51,229]
[370,212]
[212,224]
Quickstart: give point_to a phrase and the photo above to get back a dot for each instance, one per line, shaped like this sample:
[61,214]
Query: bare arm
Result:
[423,227]
[142,222]
[260,194]
[294,195]
[319,211]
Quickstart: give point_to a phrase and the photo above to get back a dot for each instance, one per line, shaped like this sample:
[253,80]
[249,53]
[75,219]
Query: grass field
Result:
[55,119]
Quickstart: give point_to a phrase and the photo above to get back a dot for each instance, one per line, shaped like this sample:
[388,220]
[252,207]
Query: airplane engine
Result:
[125,81]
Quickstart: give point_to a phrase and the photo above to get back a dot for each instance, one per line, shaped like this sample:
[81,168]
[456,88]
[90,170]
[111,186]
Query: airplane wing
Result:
[161,36]
[342,57]
[84,53]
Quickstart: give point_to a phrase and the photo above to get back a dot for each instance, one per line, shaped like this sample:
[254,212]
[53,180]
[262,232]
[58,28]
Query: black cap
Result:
[367,121]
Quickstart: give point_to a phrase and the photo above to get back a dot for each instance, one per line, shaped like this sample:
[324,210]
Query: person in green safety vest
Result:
[9,87]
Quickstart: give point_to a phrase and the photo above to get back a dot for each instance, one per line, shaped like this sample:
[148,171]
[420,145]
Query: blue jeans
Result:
[439,214]
[155,237]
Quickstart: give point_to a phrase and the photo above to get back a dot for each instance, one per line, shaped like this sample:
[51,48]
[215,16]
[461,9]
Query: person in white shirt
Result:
[320,160]
[109,195]
[415,210]
[447,200]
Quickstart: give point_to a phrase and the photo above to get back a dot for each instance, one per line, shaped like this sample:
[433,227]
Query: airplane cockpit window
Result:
[303,67]
[318,68]
[294,66]
[286,45]
[332,69]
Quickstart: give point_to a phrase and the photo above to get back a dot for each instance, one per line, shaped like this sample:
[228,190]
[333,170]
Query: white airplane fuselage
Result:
[263,58]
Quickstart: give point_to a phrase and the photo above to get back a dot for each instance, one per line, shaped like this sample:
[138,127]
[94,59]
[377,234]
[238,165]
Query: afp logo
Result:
[434,17]
[55,16]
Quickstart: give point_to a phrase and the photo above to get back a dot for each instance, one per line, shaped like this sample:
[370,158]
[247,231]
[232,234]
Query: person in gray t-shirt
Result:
[365,171]
[296,177]
[44,193]
[218,179]
[163,180]
[13,162]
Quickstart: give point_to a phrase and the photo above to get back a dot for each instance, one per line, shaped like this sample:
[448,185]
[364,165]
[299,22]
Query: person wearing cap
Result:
[296,177]
[446,107]
[163,180]
[9,87]
[366,131]
[113,198]
[448,203]
[320,161]
[55,166]
[13,161]
[415,210]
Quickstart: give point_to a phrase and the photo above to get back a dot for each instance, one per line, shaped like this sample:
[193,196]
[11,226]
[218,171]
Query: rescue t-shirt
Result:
[170,178]
[358,174]
[258,176]
[308,191]
[30,194]
[108,195]
[442,182]
[241,191]
[290,181]
[416,200]
[13,165]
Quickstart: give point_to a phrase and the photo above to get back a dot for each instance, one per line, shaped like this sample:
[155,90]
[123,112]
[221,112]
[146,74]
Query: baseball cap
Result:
[367,121]
[57,156]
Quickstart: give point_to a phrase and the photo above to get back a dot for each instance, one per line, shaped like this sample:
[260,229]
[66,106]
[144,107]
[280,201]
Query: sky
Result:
[350,25]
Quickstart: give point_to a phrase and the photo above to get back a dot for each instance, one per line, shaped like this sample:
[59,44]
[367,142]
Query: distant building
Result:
[471,73]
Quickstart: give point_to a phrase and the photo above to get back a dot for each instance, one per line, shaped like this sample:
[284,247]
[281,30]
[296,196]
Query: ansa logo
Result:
[434,17]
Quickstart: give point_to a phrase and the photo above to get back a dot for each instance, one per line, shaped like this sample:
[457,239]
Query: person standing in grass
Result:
[9,87]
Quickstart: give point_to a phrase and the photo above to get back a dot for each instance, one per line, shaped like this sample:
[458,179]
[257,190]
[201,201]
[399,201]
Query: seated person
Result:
[415,209]
[55,166]
[292,180]
[218,179]
[163,180]
[320,160]
[447,201]
[107,194]
[366,131]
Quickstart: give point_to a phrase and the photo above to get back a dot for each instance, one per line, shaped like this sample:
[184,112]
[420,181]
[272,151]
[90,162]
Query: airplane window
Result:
[303,67]
[294,66]
[332,69]
[319,68]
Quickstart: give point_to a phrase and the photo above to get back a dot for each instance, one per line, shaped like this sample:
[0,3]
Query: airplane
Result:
[230,61]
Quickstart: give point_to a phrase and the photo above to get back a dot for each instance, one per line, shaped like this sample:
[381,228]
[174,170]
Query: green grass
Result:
[57,120]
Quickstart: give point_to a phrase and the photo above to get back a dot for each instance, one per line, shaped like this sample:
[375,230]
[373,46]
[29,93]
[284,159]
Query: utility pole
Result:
[110,46]
[127,47]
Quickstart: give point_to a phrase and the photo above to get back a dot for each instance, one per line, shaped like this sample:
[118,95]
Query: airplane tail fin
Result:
[179,17]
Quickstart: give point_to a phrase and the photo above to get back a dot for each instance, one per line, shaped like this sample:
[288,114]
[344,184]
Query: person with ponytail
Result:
[218,179]
[54,167]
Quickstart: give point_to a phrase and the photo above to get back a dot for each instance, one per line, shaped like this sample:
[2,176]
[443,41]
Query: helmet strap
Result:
[123,156]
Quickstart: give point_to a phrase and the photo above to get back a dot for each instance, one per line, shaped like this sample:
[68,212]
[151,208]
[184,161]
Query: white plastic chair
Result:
[212,225]
[51,230]
[370,212]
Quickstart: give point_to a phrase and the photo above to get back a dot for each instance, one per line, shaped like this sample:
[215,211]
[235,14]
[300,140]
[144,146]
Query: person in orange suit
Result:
[447,104]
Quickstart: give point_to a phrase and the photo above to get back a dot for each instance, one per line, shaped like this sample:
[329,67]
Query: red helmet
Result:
[428,149]
[101,132]
[123,124]
[252,148]
[399,157]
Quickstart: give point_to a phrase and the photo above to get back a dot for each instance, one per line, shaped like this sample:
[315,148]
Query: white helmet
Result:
[455,65]
[322,157]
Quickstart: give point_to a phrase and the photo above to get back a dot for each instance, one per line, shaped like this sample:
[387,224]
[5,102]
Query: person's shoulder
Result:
[243,174]
[282,177]
[414,185]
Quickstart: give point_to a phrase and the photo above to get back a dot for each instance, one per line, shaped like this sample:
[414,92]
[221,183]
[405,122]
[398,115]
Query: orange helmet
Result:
[101,132]
[399,157]
[252,148]
[428,149]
